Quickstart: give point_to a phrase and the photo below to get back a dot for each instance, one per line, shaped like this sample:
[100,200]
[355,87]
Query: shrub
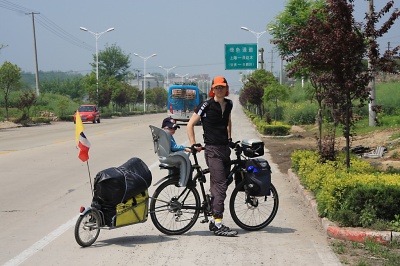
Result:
[359,196]
[300,113]
[276,129]
[273,130]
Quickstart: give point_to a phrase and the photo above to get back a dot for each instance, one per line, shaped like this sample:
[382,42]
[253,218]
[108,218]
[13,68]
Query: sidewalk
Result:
[335,231]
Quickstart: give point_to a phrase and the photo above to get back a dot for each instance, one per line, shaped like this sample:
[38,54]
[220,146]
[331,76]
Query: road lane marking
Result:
[9,151]
[39,245]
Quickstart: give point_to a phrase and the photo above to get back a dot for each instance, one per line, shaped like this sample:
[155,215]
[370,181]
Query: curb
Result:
[335,231]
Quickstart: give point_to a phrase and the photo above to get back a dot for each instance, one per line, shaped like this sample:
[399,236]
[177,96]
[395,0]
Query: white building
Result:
[151,82]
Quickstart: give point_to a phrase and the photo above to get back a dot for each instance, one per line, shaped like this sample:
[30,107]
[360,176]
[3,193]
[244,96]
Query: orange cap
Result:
[218,81]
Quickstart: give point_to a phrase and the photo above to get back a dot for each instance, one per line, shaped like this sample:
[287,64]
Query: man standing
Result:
[215,116]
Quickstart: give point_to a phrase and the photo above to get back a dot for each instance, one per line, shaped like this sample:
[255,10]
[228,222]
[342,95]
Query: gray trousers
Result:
[217,158]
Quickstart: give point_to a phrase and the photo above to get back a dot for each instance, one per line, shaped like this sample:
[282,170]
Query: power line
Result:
[47,24]
[14,7]
[56,30]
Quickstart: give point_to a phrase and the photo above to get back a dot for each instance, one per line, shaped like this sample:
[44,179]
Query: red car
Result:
[89,113]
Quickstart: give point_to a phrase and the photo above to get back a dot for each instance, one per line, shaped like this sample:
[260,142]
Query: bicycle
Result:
[175,209]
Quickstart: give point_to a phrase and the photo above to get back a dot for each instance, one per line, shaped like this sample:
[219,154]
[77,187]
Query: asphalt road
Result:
[43,184]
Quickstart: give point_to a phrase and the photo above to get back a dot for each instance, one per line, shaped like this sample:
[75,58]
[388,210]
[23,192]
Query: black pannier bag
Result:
[119,184]
[258,173]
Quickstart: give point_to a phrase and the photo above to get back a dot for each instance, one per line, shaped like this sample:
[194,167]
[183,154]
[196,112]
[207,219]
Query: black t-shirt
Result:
[215,123]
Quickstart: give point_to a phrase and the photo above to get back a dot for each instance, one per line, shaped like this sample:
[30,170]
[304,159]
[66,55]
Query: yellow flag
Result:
[79,126]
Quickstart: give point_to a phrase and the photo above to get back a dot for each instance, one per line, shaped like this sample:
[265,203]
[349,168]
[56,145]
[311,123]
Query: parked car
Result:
[89,113]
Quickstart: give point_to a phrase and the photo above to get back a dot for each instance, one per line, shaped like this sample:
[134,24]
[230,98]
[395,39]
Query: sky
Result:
[188,34]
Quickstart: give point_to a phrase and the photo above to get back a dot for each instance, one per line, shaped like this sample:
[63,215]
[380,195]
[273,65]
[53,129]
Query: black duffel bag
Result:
[117,184]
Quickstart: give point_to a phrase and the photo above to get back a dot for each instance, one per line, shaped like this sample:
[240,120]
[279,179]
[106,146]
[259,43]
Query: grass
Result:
[369,253]
[362,126]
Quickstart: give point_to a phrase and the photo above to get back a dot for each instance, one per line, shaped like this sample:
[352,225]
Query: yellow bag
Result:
[127,213]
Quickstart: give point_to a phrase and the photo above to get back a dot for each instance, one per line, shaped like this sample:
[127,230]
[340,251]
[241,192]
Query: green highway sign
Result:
[241,56]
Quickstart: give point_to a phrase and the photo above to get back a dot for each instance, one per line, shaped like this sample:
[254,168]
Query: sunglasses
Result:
[219,87]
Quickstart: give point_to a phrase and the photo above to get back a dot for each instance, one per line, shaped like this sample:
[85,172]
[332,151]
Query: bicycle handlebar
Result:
[233,145]
[193,149]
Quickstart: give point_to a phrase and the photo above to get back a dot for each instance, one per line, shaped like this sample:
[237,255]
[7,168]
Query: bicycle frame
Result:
[205,208]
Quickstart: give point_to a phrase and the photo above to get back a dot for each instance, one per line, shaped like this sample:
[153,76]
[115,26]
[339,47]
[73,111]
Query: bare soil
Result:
[8,124]
[281,148]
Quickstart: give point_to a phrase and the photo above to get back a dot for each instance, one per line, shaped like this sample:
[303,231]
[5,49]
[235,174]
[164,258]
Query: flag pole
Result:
[90,178]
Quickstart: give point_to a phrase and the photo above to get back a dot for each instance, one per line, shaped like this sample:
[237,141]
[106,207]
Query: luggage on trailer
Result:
[135,210]
[116,185]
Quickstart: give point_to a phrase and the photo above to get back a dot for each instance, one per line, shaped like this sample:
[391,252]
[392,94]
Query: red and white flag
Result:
[82,141]
[84,146]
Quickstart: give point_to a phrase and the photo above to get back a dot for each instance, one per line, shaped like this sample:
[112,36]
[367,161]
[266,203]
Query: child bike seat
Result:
[162,146]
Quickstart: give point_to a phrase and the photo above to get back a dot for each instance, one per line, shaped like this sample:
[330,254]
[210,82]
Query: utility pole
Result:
[34,47]
[137,76]
[261,62]
[272,60]
[371,85]
[281,70]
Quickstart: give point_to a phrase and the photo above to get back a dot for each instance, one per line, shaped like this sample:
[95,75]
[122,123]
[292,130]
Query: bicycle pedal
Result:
[204,221]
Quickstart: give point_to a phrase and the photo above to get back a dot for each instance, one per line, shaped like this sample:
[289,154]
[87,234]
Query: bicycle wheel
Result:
[253,213]
[174,209]
[87,228]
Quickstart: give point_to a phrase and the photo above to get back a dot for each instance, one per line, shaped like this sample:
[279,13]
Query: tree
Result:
[90,87]
[150,97]
[275,92]
[331,47]
[105,90]
[132,93]
[10,76]
[113,62]
[253,90]
[68,85]
[26,100]
[118,93]
[140,98]
[285,30]
[63,105]
[288,23]
[254,93]
[161,97]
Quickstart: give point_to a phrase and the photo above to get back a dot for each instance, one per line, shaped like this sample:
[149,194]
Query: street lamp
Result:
[97,36]
[182,76]
[144,78]
[167,69]
[257,34]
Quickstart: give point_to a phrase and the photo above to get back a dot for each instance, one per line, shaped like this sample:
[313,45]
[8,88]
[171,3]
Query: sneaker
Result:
[224,231]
